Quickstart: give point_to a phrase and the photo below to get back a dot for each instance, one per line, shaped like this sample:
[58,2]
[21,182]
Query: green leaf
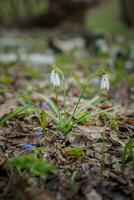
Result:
[41,114]
[86,105]
[41,167]
[81,118]
[53,117]
[53,106]
[20,110]
[88,115]
[3,90]
[26,100]
[76,151]
[35,149]
[44,119]
[128,154]
[36,165]
[22,162]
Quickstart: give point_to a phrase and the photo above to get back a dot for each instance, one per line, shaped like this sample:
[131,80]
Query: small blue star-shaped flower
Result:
[45,105]
[39,132]
[28,146]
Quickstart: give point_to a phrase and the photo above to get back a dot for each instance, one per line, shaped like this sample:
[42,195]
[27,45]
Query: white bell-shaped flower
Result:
[54,77]
[105,82]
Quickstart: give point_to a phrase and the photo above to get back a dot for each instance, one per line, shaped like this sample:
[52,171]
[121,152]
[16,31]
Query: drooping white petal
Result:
[54,77]
[102,84]
[105,82]
[57,80]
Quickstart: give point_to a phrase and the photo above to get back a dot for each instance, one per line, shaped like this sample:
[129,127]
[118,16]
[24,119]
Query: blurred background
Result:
[106,14]
[77,35]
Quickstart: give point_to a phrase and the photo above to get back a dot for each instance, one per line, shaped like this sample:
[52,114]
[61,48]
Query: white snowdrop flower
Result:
[105,82]
[54,77]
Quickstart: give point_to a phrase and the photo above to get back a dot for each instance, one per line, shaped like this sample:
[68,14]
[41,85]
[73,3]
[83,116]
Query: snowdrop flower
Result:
[54,77]
[105,82]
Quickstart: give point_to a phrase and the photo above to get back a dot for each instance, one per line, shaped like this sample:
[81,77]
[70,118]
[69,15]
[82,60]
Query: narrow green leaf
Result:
[53,106]
[76,151]
[19,111]
[36,165]
[86,105]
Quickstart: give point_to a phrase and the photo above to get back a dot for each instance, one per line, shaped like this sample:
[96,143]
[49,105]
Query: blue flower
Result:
[45,105]
[28,146]
[39,132]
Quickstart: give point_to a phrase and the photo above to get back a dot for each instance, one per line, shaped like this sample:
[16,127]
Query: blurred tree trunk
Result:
[127,12]
[58,12]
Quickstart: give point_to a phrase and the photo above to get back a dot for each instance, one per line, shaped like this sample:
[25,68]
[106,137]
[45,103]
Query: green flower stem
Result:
[64,85]
[83,90]
[57,103]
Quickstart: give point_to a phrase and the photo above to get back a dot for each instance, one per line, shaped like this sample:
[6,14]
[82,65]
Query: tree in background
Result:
[127,11]
[56,12]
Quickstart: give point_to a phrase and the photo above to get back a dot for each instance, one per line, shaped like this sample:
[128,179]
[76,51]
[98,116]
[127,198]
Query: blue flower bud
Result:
[28,146]
[45,105]
[39,132]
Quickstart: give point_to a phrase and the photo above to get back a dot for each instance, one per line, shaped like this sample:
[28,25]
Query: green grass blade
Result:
[86,115]
[27,100]
[53,106]
[53,117]
[19,111]
[86,105]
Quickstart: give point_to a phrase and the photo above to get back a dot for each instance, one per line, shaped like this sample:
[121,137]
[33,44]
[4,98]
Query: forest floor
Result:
[96,159]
